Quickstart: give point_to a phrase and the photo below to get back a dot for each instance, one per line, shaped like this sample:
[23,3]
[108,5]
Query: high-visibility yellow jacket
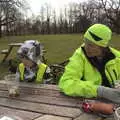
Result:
[40,73]
[72,84]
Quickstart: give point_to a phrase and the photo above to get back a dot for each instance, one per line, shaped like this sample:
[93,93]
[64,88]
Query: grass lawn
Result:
[59,47]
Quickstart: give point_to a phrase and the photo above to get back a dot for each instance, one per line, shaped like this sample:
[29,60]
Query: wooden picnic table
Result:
[42,102]
[8,51]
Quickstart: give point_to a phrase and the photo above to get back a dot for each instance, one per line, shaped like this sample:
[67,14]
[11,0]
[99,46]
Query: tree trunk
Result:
[0,32]
[0,29]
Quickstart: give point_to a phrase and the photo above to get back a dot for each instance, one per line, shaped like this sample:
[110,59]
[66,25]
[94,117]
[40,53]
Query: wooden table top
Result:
[42,102]
[15,44]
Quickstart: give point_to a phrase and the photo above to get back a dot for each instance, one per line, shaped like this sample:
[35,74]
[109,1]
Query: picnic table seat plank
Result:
[51,117]
[12,45]
[5,51]
[40,108]
[15,44]
[6,55]
[8,51]
[24,115]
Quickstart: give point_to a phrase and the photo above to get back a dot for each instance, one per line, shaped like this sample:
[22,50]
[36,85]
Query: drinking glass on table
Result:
[12,85]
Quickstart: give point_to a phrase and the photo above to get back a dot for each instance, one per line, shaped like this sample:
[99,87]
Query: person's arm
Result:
[71,83]
[110,94]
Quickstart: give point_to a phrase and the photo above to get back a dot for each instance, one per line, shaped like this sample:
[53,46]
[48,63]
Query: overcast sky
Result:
[57,4]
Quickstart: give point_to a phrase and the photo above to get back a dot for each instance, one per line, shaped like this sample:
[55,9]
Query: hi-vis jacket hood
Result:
[72,82]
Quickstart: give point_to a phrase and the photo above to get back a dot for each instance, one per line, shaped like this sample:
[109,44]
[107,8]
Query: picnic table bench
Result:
[8,51]
[42,102]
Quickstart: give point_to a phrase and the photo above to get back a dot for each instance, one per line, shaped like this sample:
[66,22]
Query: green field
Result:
[59,47]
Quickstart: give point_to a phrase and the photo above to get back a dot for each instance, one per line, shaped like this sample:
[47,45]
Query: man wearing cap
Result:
[94,67]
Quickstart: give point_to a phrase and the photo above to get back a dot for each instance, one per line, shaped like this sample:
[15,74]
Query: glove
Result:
[109,94]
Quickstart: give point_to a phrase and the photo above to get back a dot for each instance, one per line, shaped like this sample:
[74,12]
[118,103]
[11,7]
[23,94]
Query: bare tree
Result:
[70,18]
[61,22]
[48,20]
[79,17]
[65,20]
[9,11]
[36,27]
[112,11]
[42,18]
[74,18]
[54,24]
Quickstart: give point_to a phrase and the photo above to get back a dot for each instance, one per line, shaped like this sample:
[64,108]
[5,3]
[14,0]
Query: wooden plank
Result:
[24,115]
[86,116]
[45,96]
[42,86]
[4,51]
[36,91]
[43,92]
[39,89]
[112,118]
[41,108]
[68,102]
[6,55]
[51,117]
[10,49]
[15,44]
[30,85]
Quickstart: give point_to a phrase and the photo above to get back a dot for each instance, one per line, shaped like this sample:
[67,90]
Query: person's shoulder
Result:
[115,51]
[79,49]
[45,66]
[78,54]
[42,64]
[21,65]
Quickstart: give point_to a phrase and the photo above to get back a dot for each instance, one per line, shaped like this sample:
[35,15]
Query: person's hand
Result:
[109,93]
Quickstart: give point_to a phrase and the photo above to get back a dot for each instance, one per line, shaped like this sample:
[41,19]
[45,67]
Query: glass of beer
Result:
[12,85]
